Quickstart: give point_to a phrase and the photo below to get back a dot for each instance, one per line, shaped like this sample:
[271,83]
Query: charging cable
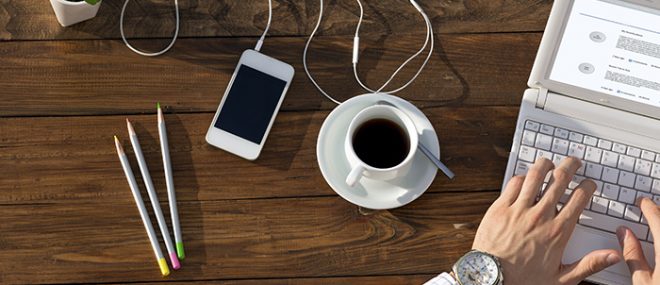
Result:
[176,31]
[355,59]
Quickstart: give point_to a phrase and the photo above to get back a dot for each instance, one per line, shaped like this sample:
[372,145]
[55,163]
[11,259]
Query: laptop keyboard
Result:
[622,174]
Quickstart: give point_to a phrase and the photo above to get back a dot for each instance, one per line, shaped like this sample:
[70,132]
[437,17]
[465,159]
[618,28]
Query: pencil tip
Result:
[120,149]
[130,127]
[159,112]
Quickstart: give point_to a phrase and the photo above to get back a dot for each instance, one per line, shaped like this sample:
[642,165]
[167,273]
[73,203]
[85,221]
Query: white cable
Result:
[428,56]
[309,75]
[356,43]
[429,36]
[123,37]
[263,36]
[176,31]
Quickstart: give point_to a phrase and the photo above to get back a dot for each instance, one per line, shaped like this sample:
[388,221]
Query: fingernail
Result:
[621,233]
[613,259]
[592,185]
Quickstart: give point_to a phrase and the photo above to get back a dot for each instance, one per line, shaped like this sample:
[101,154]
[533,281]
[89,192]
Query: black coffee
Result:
[381,143]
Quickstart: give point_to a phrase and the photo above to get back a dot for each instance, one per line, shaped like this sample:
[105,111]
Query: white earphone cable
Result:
[309,40]
[123,37]
[263,36]
[429,36]
[356,43]
[176,31]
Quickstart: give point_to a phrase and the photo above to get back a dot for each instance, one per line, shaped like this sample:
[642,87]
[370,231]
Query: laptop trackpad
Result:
[585,240]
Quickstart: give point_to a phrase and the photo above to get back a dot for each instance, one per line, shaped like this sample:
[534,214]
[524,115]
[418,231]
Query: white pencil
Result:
[169,180]
[153,196]
[143,211]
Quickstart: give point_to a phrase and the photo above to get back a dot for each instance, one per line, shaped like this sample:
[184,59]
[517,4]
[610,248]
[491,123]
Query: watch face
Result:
[477,269]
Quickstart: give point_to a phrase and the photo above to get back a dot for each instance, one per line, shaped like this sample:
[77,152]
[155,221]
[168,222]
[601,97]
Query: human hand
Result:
[529,238]
[642,273]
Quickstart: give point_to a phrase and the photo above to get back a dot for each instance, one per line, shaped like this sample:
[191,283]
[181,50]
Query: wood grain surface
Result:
[374,280]
[67,215]
[73,159]
[34,20]
[104,77]
[262,238]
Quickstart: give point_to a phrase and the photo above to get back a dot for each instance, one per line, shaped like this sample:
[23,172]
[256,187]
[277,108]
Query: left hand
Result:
[529,237]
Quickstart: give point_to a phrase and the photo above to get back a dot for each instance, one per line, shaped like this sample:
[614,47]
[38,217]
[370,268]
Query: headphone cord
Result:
[123,37]
[263,36]
[356,42]
[176,31]
[309,41]
[429,36]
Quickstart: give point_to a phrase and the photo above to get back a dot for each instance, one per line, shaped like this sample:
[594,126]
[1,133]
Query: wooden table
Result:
[66,212]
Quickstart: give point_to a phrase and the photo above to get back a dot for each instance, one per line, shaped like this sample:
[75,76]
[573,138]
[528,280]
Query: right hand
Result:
[642,273]
[529,237]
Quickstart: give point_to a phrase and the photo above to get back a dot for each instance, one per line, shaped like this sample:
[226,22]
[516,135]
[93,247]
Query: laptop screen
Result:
[612,49]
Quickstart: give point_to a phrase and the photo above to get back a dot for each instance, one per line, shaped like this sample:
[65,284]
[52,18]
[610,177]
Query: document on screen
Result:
[613,49]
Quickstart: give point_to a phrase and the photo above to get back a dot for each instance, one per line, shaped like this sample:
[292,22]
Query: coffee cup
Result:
[380,144]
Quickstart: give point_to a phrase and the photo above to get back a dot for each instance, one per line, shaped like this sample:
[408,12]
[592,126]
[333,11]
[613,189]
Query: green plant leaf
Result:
[92,2]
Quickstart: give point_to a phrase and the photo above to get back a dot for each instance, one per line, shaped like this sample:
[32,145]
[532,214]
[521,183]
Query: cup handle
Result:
[355,175]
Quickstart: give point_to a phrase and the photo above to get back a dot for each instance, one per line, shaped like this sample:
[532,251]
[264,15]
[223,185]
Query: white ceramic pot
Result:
[69,13]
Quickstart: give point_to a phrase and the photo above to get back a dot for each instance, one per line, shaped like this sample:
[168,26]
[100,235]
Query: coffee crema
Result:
[381,143]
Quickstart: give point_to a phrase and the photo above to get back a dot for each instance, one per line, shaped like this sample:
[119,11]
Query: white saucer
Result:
[369,193]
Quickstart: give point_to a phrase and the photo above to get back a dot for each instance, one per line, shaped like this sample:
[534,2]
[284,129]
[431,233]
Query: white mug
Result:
[358,167]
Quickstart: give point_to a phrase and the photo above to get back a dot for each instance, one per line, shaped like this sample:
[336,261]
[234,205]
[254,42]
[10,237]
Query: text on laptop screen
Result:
[611,49]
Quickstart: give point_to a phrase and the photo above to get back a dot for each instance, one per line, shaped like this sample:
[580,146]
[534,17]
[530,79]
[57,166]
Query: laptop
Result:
[595,94]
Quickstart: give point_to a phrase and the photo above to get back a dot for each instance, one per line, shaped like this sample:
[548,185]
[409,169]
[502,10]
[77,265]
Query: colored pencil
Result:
[169,180]
[143,210]
[153,196]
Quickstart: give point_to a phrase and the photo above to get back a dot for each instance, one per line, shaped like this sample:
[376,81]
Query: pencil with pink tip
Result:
[153,196]
[141,208]
[169,180]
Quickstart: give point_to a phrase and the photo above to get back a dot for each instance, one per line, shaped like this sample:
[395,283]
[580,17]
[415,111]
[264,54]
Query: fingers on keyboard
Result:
[534,180]
[622,173]
[651,212]
[577,202]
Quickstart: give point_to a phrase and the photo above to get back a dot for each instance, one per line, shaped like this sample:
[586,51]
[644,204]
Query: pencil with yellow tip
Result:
[169,180]
[153,197]
[164,269]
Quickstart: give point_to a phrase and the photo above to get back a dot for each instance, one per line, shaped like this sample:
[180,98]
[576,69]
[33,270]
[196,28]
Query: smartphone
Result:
[250,104]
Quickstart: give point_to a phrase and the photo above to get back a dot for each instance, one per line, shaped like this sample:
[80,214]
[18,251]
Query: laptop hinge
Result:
[541,99]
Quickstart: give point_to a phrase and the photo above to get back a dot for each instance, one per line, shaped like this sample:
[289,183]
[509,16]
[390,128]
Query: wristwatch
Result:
[474,268]
[478,268]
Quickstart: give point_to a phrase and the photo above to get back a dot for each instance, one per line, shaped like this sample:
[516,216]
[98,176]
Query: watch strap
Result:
[442,279]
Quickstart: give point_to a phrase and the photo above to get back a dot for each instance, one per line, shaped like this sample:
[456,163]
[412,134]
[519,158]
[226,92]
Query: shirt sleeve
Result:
[442,279]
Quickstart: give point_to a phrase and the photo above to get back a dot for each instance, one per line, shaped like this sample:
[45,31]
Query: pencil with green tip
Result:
[143,211]
[142,163]
[169,180]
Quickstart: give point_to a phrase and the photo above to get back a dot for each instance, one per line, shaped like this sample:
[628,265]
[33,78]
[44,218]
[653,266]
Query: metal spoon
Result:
[425,150]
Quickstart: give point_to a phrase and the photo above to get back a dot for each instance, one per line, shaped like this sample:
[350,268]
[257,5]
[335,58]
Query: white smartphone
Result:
[251,102]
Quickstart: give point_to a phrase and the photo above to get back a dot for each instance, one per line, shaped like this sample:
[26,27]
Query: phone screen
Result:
[250,104]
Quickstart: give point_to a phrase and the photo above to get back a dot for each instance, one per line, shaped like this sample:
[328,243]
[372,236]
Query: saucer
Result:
[370,193]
